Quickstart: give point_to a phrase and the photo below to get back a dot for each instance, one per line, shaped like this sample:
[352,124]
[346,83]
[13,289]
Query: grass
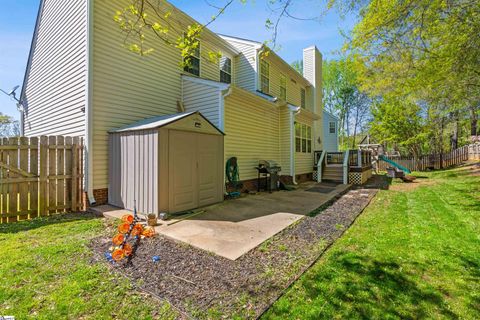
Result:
[414,253]
[46,273]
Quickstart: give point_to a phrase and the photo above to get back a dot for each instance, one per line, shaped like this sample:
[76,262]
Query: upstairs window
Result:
[332,127]
[226,70]
[303,138]
[264,76]
[283,87]
[193,62]
[302,97]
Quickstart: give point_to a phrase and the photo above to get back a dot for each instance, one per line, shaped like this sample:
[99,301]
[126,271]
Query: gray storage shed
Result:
[169,163]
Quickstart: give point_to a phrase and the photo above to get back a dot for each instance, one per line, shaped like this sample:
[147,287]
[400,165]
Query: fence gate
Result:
[40,176]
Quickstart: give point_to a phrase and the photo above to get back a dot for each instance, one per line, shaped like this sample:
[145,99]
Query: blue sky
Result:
[242,20]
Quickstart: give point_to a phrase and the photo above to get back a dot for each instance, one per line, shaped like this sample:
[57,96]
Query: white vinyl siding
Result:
[330,139]
[55,84]
[244,65]
[203,98]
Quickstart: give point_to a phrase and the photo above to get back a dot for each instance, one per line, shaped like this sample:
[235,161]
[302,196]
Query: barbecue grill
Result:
[268,170]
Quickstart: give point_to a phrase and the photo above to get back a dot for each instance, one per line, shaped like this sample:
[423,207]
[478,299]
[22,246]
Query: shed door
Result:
[195,170]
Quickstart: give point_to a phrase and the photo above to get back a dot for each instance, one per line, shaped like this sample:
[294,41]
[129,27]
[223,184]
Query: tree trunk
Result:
[455,134]
[473,120]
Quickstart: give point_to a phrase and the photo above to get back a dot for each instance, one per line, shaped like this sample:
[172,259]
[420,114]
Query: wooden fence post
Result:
[74,174]
[43,199]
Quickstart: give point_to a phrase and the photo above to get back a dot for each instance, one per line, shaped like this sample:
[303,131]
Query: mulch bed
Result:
[204,285]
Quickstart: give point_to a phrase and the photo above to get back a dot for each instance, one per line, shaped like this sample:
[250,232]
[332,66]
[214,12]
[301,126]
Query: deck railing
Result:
[360,158]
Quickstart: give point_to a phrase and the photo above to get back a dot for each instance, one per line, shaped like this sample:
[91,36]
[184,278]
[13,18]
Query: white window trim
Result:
[330,127]
[231,69]
[261,75]
[282,76]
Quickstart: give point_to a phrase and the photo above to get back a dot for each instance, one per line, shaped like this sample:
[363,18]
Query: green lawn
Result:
[413,253]
[45,274]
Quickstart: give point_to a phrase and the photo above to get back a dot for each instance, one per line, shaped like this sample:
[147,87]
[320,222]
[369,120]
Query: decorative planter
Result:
[152,219]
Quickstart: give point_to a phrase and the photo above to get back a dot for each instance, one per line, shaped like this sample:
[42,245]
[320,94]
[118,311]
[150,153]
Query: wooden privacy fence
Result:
[428,162]
[40,176]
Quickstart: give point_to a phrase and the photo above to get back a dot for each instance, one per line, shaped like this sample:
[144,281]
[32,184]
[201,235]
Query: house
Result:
[81,81]
[330,132]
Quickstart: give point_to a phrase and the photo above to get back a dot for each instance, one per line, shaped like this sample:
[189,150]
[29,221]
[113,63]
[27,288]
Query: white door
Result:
[195,170]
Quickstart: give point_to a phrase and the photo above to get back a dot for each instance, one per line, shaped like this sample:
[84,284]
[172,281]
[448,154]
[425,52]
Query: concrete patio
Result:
[232,228]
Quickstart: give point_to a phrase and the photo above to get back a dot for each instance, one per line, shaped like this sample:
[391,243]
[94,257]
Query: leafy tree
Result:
[298,66]
[9,127]
[427,51]
[342,97]
[399,123]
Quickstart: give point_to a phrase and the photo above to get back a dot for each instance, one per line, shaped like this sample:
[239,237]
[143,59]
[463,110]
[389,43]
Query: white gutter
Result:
[223,94]
[88,106]
[293,111]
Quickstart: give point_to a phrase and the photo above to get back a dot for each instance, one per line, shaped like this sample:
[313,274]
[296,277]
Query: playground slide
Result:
[396,165]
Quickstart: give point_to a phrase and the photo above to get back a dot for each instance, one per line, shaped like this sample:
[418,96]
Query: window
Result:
[264,76]
[193,62]
[283,87]
[226,70]
[302,98]
[332,127]
[303,138]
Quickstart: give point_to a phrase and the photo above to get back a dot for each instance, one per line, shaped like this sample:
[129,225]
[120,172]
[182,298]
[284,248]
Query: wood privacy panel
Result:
[433,161]
[40,176]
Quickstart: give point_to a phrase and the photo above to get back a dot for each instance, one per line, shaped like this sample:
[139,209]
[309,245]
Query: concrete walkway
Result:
[233,227]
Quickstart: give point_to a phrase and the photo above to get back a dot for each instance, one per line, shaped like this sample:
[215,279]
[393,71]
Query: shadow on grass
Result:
[377,181]
[373,288]
[26,225]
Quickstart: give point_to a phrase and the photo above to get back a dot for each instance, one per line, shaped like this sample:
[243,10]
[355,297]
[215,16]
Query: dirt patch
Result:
[474,169]
[409,186]
[204,285]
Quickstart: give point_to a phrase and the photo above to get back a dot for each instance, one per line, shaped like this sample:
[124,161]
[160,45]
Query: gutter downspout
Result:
[223,95]
[293,111]
[88,107]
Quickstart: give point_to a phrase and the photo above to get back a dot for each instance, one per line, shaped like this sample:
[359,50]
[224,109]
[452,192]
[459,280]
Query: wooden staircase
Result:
[333,173]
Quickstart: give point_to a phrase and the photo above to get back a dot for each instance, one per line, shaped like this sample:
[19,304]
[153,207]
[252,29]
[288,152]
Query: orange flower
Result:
[124,227]
[148,232]
[128,218]
[127,249]
[137,230]
[118,239]
[118,254]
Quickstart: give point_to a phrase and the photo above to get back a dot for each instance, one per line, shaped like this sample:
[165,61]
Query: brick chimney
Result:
[312,71]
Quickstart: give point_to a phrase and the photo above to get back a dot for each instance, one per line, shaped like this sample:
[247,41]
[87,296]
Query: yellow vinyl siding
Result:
[127,87]
[252,128]
[304,161]
[285,136]
[293,87]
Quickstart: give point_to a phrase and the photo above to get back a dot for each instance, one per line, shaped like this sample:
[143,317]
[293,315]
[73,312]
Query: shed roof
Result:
[160,121]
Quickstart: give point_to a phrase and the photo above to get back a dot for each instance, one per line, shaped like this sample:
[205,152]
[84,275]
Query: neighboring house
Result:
[330,132]
[81,81]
